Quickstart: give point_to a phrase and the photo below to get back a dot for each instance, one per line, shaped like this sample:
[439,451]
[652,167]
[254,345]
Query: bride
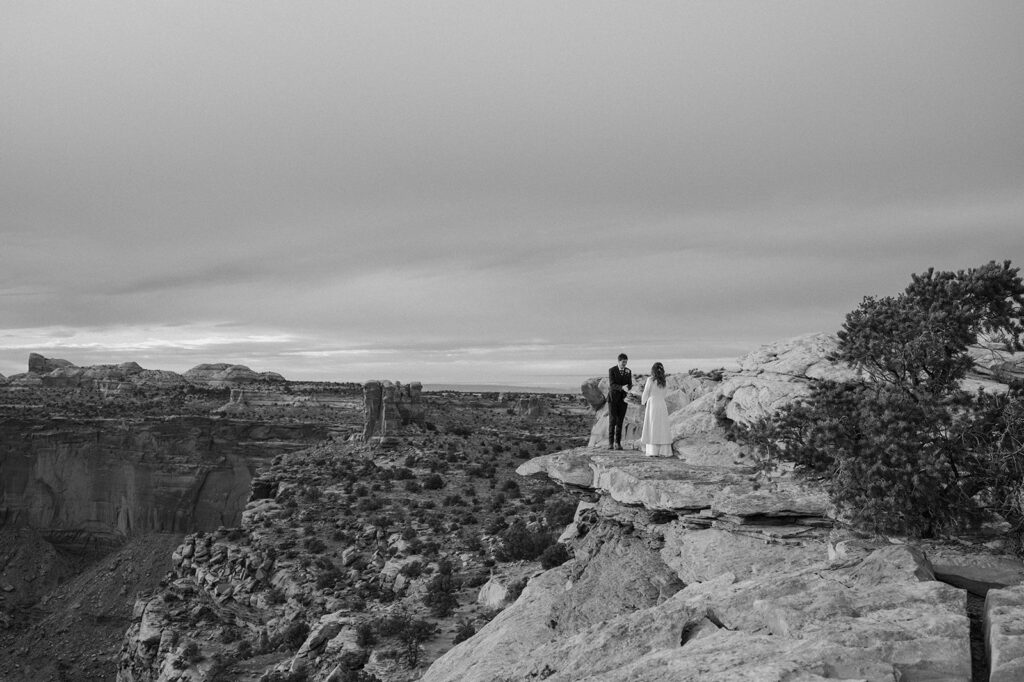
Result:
[655,435]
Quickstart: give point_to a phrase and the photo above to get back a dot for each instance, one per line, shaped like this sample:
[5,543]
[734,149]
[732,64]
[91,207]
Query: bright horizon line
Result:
[562,373]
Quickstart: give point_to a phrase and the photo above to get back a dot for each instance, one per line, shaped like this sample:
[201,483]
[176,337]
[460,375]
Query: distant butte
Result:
[55,372]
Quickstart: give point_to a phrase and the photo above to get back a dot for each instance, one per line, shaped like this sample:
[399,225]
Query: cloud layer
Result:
[473,192]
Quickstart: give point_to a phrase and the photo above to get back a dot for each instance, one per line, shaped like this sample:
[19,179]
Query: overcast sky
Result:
[489,192]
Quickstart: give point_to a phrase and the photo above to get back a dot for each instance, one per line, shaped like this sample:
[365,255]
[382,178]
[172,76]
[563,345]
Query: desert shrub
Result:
[276,595]
[295,634]
[554,555]
[515,589]
[909,451]
[413,486]
[520,543]
[365,635]
[440,594]
[191,653]
[559,512]
[243,650]
[366,504]
[433,482]
[401,474]
[315,545]
[329,578]
[412,570]
[464,631]
[411,632]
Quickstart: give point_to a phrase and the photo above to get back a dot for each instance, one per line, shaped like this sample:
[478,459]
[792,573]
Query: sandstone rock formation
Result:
[225,375]
[63,476]
[1004,633]
[696,573]
[531,407]
[703,567]
[390,406]
[38,364]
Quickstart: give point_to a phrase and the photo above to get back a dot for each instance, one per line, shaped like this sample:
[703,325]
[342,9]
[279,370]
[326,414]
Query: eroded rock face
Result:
[1004,633]
[38,364]
[117,478]
[671,485]
[750,582]
[532,407]
[390,405]
[225,375]
[801,618]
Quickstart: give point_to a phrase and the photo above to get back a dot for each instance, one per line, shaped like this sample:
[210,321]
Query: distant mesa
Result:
[128,376]
[224,375]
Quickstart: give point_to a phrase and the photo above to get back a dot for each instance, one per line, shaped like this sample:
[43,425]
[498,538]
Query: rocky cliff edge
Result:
[700,567]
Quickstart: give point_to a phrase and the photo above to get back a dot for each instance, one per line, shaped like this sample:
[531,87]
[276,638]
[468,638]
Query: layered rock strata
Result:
[700,573]
[112,478]
[703,567]
[127,376]
[389,405]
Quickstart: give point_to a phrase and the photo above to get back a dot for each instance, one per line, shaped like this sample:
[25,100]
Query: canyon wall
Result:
[111,478]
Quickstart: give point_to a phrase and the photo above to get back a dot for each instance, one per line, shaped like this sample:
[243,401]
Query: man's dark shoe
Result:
[618,446]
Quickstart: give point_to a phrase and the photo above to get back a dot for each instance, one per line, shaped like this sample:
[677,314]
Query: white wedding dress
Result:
[655,436]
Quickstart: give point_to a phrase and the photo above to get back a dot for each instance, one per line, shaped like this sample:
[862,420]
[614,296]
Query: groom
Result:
[620,380]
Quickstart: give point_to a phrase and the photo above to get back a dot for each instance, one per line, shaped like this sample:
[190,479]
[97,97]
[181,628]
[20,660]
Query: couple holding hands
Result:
[655,434]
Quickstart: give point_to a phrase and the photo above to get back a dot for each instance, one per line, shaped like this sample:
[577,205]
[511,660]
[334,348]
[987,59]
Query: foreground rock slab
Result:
[881,619]
[1004,634]
[671,484]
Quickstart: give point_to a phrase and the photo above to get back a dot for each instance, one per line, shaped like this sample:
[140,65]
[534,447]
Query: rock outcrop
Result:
[531,407]
[704,567]
[225,375]
[122,378]
[113,478]
[390,406]
[38,364]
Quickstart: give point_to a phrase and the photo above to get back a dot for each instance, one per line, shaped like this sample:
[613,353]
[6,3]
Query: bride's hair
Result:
[658,372]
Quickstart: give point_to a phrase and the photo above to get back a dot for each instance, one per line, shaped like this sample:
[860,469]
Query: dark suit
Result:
[619,382]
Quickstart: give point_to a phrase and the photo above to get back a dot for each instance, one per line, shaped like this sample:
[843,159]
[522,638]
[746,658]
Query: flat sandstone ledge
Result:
[670,484]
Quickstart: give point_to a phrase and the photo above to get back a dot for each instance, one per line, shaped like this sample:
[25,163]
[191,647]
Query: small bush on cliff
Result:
[295,634]
[464,631]
[441,589]
[554,555]
[909,451]
[520,543]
